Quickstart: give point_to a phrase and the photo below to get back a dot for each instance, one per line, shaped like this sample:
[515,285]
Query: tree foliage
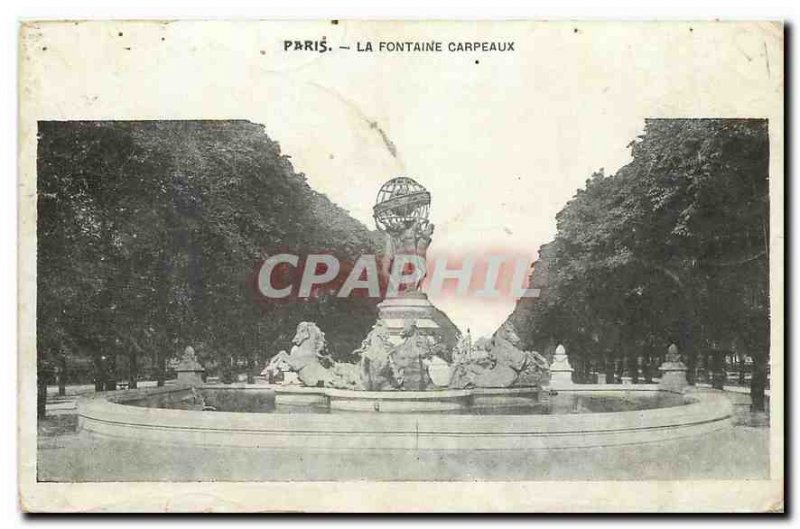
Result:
[150,234]
[671,248]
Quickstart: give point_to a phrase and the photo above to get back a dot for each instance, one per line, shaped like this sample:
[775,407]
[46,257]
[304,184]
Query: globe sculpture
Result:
[401,211]
[400,203]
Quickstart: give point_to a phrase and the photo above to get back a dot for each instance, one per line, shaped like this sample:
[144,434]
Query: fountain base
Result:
[311,426]
[414,307]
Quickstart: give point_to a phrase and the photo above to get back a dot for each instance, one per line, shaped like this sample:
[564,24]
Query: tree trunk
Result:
[161,369]
[111,373]
[62,375]
[634,363]
[647,368]
[133,374]
[718,374]
[42,379]
[701,369]
[758,382]
[689,345]
[99,374]
[741,369]
[691,365]
[583,370]
[251,379]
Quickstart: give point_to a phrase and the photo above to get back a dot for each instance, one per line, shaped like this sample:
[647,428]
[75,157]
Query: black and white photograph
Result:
[402,255]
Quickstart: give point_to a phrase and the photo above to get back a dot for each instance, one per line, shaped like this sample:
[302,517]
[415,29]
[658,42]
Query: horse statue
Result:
[374,363]
[499,363]
[480,368]
[310,364]
[308,358]
[532,368]
[279,370]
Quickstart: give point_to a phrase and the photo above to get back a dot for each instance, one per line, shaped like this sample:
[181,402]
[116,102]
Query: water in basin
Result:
[565,402]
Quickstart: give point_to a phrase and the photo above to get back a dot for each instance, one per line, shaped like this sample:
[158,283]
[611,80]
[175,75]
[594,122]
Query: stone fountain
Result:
[413,345]
[418,384]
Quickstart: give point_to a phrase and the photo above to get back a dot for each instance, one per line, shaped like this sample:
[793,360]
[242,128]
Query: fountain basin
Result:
[445,400]
[313,426]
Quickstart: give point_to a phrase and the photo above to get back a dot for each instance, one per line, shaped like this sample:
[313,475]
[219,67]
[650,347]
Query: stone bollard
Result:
[189,370]
[673,371]
[560,370]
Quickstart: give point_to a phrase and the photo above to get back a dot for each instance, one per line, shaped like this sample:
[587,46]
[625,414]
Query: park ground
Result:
[66,454]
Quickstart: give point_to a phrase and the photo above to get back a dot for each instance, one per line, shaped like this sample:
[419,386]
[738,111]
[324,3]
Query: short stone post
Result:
[560,370]
[189,369]
[673,371]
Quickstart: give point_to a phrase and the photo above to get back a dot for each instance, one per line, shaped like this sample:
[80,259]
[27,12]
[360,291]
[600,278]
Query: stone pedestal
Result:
[192,377]
[560,370]
[409,308]
[189,369]
[673,371]
[414,307]
[673,376]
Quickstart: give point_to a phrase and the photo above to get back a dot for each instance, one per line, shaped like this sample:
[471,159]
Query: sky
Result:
[501,140]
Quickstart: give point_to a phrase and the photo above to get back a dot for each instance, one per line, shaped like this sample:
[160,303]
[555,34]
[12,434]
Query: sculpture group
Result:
[411,353]
[415,364]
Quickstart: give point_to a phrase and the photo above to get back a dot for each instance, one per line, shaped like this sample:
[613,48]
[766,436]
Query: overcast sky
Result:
[501,140]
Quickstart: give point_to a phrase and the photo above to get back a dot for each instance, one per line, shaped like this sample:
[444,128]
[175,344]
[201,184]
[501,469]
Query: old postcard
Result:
[387,266]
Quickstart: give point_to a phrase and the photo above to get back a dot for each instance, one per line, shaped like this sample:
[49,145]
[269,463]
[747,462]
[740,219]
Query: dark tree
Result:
[671,248]
[149,234]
